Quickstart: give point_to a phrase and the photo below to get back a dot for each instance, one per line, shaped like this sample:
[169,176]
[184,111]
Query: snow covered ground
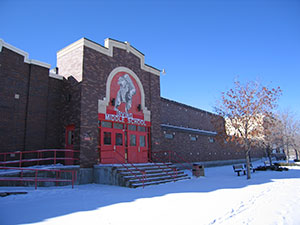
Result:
[220,197]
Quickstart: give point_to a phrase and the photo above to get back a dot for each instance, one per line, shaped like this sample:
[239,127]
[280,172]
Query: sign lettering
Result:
[123,116]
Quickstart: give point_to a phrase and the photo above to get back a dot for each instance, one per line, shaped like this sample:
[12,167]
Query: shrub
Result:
[273,168]
[285,164]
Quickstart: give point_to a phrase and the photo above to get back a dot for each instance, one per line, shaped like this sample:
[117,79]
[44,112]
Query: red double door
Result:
[120,143]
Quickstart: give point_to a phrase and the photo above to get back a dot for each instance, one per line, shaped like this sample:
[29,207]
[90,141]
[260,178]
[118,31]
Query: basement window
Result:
[211,140]
[169,136]
[193,138]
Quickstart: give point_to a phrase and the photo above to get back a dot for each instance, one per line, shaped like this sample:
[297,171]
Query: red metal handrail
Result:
[171,159]
[174,169]
[38,179]
[129,170]
[39,158]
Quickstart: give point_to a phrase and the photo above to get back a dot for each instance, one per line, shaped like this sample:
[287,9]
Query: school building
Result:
[103,101]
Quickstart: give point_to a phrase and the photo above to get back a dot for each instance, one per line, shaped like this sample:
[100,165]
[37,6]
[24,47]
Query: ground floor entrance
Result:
[123,143]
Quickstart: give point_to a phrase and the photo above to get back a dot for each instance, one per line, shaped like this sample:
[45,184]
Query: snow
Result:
[221,197]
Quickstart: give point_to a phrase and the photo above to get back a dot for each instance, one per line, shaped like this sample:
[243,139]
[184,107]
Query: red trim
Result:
[135,154]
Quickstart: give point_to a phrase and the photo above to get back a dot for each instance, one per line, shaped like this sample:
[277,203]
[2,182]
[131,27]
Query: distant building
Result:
[104,101]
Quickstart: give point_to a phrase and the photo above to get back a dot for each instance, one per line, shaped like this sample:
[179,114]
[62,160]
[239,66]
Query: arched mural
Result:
[124,121]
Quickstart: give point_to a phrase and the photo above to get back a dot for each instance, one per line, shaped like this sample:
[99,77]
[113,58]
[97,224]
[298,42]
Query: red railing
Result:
[36,179]
[174,175]
[171,156]
[37,156]
[130,171]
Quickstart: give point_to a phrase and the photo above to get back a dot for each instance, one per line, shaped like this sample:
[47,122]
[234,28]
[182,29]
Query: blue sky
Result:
[203,45]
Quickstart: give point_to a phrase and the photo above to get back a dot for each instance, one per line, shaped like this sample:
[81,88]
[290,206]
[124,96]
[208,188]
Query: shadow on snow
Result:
[46,203]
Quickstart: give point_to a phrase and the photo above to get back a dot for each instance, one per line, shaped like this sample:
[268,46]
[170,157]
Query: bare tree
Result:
[244,108]
[270,136]
[297,145]
[289,131]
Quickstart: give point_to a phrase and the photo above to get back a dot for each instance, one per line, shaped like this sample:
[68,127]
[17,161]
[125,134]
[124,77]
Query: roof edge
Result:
[188,106]
[107,49]
[23,53]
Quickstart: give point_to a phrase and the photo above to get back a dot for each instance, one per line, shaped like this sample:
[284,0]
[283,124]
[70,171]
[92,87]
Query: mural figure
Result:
[125,93]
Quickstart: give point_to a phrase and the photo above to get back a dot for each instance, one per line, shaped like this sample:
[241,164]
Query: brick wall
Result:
[29,105]
[201,149]
[54,126]
[13,80]
[37,103]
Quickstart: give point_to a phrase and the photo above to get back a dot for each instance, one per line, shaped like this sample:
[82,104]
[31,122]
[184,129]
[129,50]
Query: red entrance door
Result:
[69,142]
[112,144]
[137,144]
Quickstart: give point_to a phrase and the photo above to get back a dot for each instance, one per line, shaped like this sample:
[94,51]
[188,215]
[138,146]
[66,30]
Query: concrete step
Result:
[149,179]
[153,174]
[140,184]
[146,167]
[149,171]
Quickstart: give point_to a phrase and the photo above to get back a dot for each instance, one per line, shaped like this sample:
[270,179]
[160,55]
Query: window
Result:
[142,129]
[142,141]
[119,139]
[68,97]
[70,137]
[132,127]
[106,124]
[132,140]
[107,138]
[193,138]
[211,140]
[169,136]
[118,125]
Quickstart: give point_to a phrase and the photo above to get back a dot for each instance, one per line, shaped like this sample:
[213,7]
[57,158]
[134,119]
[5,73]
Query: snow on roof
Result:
[187,129]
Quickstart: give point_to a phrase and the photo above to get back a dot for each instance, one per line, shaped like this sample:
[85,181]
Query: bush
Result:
[296,160]
[261,168]
[273,168]
[284,164]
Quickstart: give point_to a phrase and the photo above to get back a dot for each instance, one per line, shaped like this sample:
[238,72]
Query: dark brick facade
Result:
[192,145]
[30,106]
[93,74]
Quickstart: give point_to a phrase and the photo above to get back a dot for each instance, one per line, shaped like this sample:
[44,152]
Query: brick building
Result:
[102,100]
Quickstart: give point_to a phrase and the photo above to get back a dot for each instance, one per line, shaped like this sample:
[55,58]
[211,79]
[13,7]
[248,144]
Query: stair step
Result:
[140,164]
[146,168]
[146,171]
[135,185]
[155,178]
[152,174]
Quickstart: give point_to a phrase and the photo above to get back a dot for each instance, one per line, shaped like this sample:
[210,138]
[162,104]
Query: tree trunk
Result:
[297,155]
[287,151]
[269,155]
[248,164]
[287,155]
